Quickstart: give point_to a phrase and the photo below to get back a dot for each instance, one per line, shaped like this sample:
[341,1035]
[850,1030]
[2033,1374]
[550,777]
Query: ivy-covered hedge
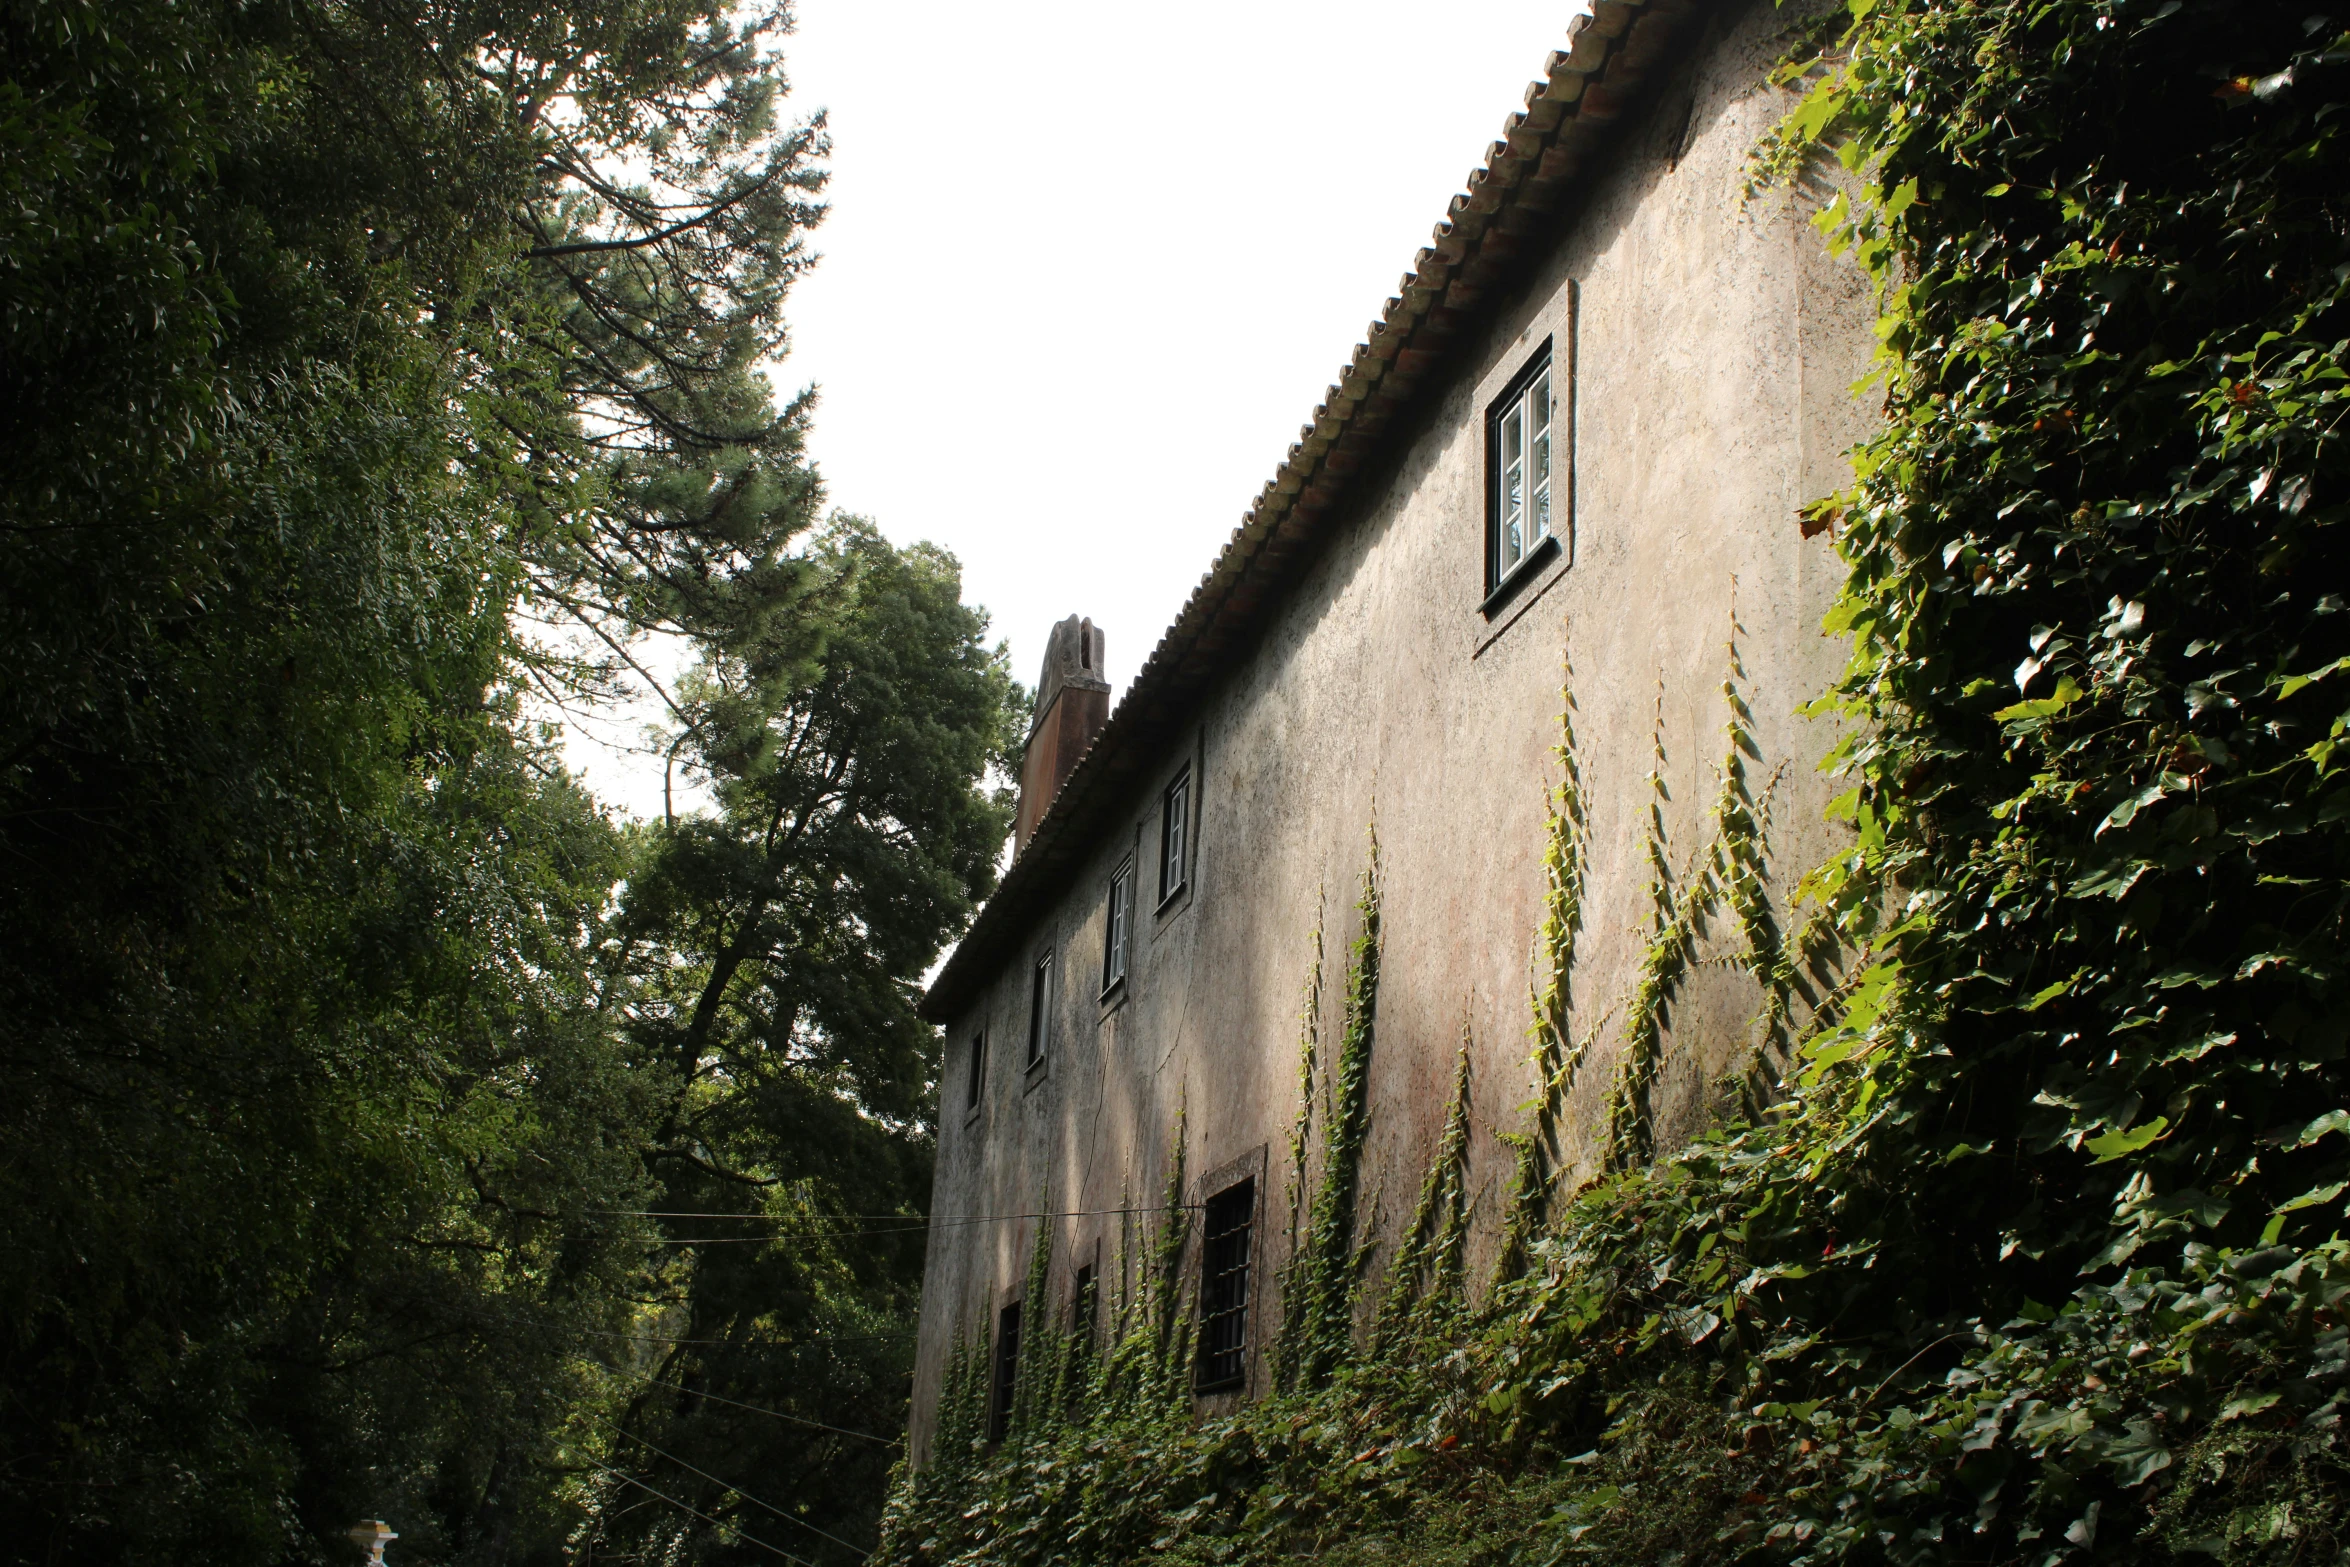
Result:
[2040,1254]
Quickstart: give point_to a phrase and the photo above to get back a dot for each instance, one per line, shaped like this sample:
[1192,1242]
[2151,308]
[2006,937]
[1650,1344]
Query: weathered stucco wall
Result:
[1714,345]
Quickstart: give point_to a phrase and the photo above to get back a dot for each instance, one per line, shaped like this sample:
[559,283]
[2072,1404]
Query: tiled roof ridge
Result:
[1523,183]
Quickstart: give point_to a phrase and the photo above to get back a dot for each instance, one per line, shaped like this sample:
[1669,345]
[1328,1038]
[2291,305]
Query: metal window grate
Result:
[1084,1304]
[1007,1372]
[1223,1295]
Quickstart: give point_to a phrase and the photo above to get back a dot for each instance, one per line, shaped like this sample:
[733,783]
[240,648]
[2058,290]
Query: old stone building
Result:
[1580,433]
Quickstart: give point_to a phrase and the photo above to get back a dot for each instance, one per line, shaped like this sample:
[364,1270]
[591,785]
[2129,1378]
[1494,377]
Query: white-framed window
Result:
[1174,835]
[1522,456]
[1118,936]
[1040,1009]
[978,1070]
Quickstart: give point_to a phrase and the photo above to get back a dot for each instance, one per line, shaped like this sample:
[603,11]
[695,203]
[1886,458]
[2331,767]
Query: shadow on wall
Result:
[1709,913]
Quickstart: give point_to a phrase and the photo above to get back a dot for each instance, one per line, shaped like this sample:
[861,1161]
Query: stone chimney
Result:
[1072,704]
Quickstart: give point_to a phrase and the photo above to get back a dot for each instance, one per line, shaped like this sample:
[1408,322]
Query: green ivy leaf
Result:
[2295,684]
[2309,1199]
[2049,993]
[2325,1125]
[2126,812]
[2138,1453]
[2065,695]
[2117,1145]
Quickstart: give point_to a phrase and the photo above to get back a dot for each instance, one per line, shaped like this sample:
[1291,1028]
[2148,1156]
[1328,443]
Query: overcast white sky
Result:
[1089,267]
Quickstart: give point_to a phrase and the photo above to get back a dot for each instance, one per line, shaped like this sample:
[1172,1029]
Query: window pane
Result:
[1224,1286]
[1522,448]
[1174,831]
[1007,1371]
[1120,920]
[1513,510]
[1040,1010]
[1539,481]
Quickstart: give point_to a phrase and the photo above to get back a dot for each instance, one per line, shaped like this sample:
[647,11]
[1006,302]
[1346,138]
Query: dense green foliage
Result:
[770,947]
[2038,1254]
[361,364]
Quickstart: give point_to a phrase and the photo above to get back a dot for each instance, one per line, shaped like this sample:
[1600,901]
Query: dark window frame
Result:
[1084,1303]
[1502,582]
[1227,1247]
[1118,927]
[978,1082]
[1004,1384]
[1084,1316]
[1178,809]
[1040,1010]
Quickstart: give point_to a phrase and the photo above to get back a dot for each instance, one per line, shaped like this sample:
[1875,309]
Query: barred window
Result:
[1223,1294]
[1007,1372]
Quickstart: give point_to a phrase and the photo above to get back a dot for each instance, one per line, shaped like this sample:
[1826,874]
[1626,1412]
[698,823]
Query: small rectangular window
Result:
[1007,1372]
[1521,447]
[1174,835]
[1223,1287]
[1120,922]
[978,1071]
[1082,1298]
[1040,1010]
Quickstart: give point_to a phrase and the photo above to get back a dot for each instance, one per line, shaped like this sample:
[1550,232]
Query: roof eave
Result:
[1545,151]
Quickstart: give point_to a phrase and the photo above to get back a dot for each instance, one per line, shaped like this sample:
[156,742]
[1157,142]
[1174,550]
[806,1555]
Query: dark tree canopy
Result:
[360,364]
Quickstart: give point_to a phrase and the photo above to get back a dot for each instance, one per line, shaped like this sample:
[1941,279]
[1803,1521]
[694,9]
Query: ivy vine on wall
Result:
[2028,1245]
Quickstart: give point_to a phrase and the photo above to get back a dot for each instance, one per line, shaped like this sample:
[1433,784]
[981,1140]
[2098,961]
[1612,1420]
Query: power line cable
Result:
[737,1490]
[959,1221]
[777,1413]
[629,1479]
[822,1341]
[917,1219]
[770,1218]
[775,1240]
